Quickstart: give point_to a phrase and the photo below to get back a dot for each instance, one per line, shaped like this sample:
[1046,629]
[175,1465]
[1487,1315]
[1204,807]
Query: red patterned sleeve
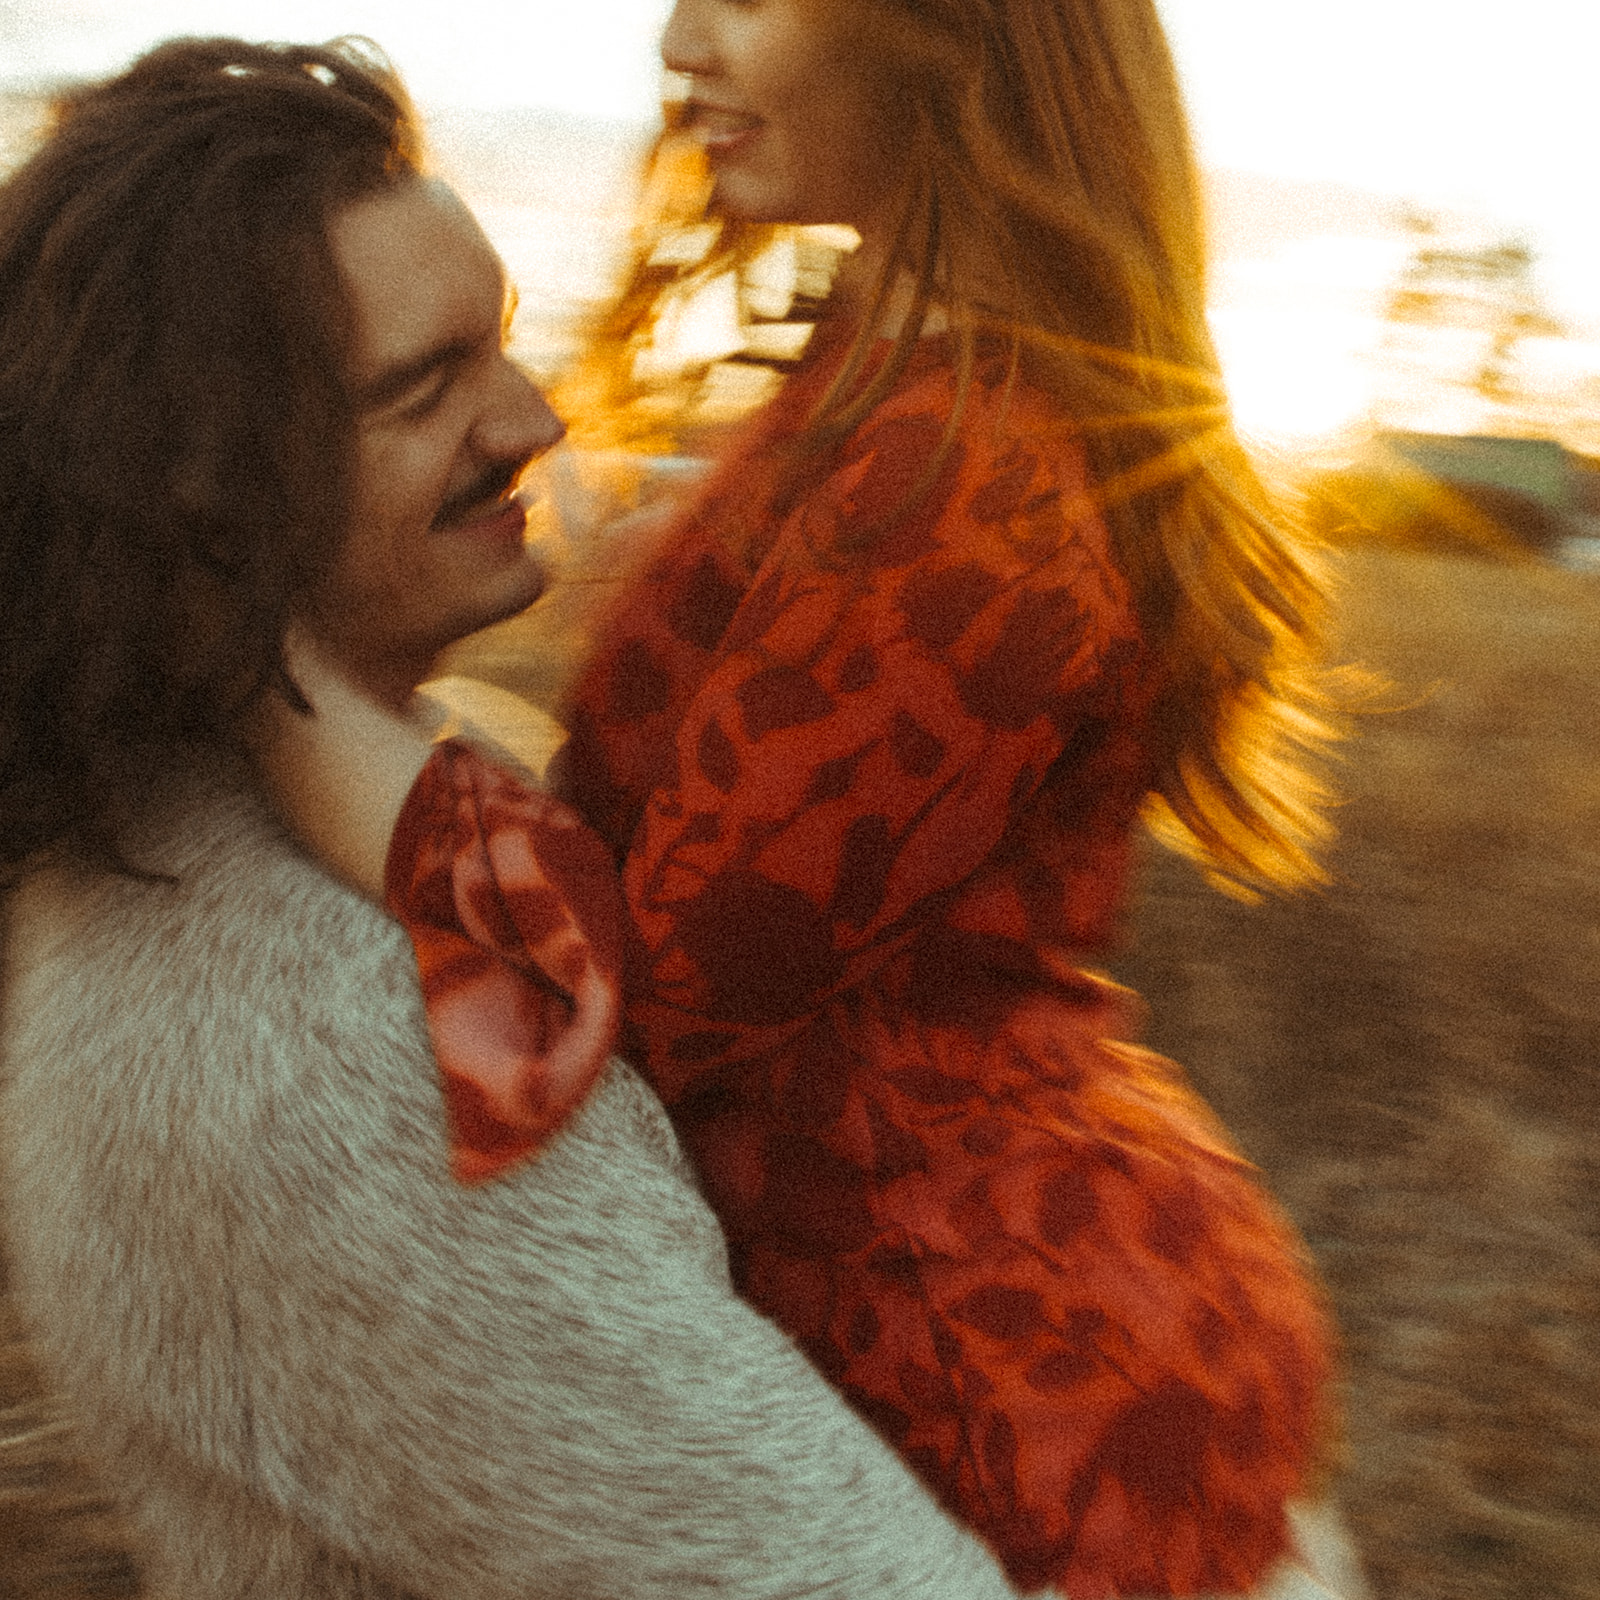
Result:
[935,624]
[512,907]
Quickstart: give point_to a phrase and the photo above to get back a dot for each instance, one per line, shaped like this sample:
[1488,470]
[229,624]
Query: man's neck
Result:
[391,683]
[340,775]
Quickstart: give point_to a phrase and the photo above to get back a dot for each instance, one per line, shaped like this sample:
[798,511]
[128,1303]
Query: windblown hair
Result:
[175,436]
[1051,200]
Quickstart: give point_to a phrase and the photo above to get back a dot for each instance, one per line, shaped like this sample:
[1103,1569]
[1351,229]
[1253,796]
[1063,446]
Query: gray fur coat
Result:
[318,1366]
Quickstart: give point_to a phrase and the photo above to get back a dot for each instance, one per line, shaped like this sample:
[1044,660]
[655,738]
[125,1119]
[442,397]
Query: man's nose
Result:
[520,426]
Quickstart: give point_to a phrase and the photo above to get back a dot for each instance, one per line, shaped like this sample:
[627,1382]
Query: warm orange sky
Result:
[1471,100]
[1476,102]
[1461,95]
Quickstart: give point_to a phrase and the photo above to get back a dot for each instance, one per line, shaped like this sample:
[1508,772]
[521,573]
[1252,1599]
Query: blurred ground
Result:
[1413,1058]
[59,1537]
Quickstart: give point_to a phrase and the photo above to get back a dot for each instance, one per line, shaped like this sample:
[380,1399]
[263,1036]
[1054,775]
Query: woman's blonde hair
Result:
[1051,198]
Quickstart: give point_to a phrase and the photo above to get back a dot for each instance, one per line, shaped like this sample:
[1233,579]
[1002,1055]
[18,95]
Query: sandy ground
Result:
[1414,1059]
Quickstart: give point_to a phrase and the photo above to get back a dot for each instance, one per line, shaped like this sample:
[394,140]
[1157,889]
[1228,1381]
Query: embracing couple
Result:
[412,1206]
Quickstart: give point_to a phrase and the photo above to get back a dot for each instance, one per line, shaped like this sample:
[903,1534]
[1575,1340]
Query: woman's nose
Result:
[686,42]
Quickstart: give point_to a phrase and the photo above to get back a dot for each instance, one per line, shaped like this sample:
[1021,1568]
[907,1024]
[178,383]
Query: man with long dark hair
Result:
[254,401]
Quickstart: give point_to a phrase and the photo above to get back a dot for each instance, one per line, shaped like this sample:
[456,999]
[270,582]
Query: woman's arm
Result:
[340,773]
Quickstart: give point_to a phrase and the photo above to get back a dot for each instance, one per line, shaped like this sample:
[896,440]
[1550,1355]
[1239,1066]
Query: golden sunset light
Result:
[799,798]
[1318,136]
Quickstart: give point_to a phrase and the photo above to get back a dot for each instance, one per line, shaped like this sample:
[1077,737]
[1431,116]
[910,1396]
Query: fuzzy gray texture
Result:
[316,1365]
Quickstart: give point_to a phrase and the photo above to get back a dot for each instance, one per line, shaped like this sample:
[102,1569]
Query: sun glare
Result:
[1294,377]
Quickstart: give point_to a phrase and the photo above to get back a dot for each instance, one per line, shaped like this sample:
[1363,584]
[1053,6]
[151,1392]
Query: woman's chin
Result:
[740,200]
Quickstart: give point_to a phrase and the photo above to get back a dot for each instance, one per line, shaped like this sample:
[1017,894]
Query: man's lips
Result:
[500,516]
[488,500]
[500,519]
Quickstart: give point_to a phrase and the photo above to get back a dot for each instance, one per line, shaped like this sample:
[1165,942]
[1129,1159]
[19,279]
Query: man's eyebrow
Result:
[395,381]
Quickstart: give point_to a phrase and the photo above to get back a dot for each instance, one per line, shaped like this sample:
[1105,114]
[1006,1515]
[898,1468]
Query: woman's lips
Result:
[719,129]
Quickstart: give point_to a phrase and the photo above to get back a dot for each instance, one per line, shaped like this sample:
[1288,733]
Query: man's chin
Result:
[522,585]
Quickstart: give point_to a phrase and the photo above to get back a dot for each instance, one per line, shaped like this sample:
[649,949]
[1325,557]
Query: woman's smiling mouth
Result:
[717,128]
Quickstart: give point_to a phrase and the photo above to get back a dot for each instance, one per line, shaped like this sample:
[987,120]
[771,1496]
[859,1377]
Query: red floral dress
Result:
[869,745]
[871,755]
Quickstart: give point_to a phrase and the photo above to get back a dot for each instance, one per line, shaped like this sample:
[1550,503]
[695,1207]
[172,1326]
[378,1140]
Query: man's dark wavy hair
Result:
[175,437]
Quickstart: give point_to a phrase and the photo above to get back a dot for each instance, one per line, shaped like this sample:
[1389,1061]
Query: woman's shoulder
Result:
[989,410]
[972,465]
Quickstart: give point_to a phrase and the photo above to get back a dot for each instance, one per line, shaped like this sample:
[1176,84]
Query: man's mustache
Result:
[495,482]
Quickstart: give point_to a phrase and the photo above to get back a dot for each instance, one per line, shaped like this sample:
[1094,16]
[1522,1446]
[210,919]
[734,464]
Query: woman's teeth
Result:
[715,127]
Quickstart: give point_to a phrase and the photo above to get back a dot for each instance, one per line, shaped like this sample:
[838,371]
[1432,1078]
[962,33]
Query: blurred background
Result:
[1406,298]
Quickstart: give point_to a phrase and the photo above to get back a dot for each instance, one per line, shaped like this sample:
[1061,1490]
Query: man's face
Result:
[445,425]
